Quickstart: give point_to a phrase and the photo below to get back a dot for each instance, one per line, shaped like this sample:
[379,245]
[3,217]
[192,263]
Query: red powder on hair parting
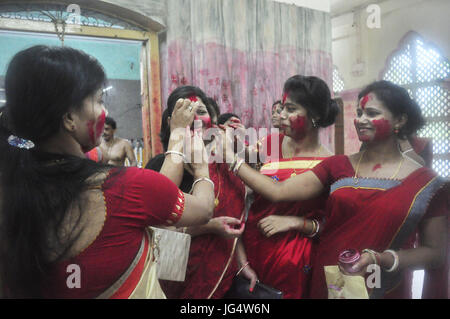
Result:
[193,98]
[285,95]
[364,101]
[382,129]
[298,126]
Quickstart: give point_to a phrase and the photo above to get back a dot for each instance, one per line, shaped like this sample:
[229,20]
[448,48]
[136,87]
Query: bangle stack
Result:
[316,227]
[176,153]
[374,255]
[236,164]
[233,163]
[206,179]
[242,268]
[395,265]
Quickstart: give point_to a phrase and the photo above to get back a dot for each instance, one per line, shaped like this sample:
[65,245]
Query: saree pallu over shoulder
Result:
[140,280]
[412,195]
[416,212]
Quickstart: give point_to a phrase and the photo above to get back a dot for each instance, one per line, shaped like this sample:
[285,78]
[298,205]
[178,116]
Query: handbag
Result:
[171,253]
[239,290]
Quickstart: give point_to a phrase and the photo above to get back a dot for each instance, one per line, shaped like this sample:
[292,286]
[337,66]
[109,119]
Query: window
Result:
[425,73]
[338,83]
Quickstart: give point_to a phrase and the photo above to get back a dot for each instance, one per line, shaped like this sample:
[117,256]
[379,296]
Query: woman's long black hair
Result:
[37,188]
[398,101]
[314,95]
[181,92]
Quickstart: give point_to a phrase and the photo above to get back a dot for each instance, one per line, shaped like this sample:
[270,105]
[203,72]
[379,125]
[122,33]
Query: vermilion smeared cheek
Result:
[95,128]
[206,120]
[100,124]
[91,131]
[298,125]
[362,138]
[382,129]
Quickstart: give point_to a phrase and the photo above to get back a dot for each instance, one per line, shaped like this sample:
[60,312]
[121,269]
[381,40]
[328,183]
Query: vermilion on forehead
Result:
[285,95]
[193,98]
[365,99]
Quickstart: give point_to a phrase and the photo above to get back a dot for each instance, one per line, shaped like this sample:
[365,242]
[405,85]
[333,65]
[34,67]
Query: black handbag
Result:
[239,290]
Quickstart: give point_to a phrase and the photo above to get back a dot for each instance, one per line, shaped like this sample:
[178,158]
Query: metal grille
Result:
[338,83]
[422,70]
[400,71]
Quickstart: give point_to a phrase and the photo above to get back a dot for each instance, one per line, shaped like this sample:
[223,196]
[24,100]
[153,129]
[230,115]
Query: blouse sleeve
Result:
[439,205]
[148,198]
[333,168]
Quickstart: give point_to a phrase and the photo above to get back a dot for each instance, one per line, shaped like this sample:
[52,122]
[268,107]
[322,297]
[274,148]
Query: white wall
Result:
[353,42]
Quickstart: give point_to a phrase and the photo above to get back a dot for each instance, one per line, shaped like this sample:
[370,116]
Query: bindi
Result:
[193,98]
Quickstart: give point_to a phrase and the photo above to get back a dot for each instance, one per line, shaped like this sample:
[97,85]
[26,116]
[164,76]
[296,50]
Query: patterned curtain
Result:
[240,52]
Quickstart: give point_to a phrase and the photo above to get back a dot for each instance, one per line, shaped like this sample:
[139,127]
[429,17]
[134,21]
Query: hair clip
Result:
[20,142]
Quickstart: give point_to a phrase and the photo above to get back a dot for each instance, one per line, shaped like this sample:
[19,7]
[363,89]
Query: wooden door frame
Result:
[150,66]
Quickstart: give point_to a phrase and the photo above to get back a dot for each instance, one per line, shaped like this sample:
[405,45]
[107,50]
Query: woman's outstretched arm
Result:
[301,187]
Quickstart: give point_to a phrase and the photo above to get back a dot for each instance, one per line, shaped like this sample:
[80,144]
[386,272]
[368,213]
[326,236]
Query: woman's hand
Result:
[226,143]
[183,114]
[228,227]
[250,274]
[360,267]
[274,224]
[199,158]
[236,125]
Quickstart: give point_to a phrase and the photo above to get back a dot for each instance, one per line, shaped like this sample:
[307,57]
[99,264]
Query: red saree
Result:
[210,253]
[373,213]
[283,260]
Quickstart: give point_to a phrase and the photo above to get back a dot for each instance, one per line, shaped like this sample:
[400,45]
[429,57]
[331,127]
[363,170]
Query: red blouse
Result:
[135,199]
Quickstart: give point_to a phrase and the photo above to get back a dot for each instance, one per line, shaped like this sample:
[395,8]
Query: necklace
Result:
[356,178]
[216,199]
[295,170]
[311,165]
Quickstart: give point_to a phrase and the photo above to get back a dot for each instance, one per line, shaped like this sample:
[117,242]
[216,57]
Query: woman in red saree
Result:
[215,254]
[276,248]
[71,227]
[379,199]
